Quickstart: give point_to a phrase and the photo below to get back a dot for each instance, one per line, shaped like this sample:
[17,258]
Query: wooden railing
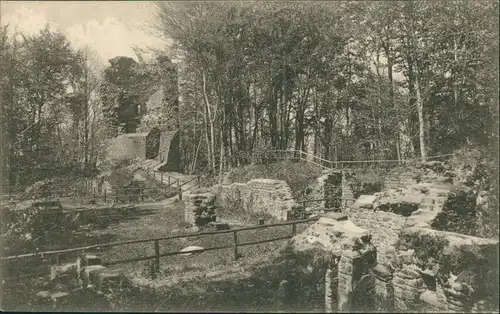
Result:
[156,241]
[329,164]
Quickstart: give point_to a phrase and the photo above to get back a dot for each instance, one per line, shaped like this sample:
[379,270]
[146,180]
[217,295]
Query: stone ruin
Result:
[84,279]
[273,197]
[199,207]
[426,270]
[352,255]
[333,186]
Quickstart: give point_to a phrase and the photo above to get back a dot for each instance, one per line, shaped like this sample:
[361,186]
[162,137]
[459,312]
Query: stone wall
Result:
[333,184]
[343,251]
[199,207]
[347,193]
[384,227]
[273,197]
[169,150]
[438,271]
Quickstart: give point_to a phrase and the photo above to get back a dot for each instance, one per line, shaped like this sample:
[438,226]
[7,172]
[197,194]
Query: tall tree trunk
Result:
[210,123]
[86,114]
[387,50]
[222,147]
[421,123]
[454,74]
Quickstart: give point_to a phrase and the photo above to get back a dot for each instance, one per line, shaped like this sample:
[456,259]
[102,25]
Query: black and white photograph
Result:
[249,156]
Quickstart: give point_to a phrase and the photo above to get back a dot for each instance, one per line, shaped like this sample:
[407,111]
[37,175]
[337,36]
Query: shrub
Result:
[459,213]
[298,175]
[29,228]
[367,181]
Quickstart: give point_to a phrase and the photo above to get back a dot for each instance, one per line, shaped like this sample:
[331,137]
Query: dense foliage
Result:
[365,80]
[50,110]
[298,175]
[345,81]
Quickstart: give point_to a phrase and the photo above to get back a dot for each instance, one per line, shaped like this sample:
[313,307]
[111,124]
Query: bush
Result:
[366,181]
[29,228]
[298,175]
[459,213]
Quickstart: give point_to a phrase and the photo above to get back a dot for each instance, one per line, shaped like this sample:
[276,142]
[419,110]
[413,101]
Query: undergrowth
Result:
[298,175]
[366,181]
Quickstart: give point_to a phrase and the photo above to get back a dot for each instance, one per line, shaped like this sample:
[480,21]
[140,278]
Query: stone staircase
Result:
[435,199]
[398,178]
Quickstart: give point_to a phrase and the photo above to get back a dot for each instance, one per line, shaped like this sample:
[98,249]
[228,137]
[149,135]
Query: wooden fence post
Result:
[198,182]
[168,180]
[294,230]
[179,188]
[235,237]
[157,256]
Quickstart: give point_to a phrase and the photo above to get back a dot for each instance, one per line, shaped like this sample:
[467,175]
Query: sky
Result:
[110,28]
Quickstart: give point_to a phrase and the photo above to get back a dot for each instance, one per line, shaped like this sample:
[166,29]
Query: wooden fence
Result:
[349,164]
[156,245]
[267,155]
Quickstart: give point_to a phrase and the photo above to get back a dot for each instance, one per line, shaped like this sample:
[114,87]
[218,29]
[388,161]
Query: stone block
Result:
[107,277]
[334,216]
[88,274]
[66,270]
[90,260]
[382,272]
[410,272]
[365,201]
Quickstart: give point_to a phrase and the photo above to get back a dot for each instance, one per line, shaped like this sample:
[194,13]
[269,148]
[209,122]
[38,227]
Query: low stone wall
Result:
[273,197]
[398,178]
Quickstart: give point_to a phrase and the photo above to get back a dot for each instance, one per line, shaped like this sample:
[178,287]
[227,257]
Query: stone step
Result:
[439,199]
[439,192]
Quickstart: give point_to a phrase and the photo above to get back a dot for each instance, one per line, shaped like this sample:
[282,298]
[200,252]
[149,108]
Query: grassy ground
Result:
[141,222]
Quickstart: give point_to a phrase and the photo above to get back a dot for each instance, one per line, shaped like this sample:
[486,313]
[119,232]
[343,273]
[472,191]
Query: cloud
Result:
[108,37]
[27,21]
